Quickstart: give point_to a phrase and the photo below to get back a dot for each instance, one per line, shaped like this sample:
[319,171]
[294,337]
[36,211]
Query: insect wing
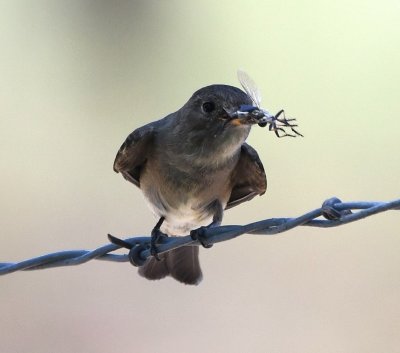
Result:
[250,87]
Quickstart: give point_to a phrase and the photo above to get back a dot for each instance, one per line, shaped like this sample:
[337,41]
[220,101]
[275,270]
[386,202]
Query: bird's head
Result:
[220,107]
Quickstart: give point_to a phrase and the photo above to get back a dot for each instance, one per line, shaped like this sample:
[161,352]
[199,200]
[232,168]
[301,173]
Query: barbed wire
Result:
[333,213]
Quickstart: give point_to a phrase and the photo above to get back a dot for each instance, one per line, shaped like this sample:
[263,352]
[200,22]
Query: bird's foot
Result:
[156,237]
[199,234]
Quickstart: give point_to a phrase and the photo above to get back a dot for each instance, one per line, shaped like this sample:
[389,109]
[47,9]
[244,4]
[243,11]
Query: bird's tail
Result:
[182,264]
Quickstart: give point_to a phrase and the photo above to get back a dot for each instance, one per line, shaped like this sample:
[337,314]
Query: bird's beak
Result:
[243,116]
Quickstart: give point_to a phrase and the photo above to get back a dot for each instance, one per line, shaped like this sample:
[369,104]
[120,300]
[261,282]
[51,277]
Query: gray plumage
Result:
[191,165]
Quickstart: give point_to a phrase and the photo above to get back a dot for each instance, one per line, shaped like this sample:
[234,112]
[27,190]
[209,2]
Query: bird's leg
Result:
[199,233]
[156,235]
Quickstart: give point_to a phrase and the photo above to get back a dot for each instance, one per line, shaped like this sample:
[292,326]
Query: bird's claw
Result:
[199,234]
[156,236]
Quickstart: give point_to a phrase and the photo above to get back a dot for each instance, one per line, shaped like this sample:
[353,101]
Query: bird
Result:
[191,166]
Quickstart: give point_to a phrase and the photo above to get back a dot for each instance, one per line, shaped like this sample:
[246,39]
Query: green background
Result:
[77,76]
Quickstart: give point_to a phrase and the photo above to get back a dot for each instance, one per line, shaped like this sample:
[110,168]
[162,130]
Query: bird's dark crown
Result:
[221,94]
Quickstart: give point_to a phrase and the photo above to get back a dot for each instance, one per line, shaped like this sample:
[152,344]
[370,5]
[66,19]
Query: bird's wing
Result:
[133,153]
[248,178]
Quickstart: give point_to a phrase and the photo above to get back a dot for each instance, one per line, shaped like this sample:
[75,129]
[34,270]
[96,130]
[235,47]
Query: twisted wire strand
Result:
[334,211]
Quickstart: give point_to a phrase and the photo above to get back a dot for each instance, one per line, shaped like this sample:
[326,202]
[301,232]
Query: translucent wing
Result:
[250,87]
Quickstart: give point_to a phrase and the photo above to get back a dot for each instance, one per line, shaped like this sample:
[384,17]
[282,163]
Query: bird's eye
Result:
[208,107]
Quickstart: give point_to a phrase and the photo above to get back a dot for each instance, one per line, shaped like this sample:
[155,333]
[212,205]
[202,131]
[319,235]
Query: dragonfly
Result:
[277,122]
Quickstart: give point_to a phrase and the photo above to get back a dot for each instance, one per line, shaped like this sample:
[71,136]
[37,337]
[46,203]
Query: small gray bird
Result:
[191,166]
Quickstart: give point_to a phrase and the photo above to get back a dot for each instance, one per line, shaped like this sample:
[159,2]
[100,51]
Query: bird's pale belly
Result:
[183,210]
[183,217]
[181,221]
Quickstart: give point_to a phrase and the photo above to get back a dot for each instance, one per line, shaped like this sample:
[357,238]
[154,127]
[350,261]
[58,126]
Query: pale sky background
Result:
[76,77]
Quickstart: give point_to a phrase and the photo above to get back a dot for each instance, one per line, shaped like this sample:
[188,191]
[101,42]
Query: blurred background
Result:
[76,77]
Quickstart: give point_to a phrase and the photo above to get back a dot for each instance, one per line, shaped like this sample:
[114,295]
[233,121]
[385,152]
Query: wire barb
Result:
[334,211]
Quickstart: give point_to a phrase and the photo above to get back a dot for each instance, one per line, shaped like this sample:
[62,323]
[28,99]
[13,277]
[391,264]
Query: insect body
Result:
[277,122]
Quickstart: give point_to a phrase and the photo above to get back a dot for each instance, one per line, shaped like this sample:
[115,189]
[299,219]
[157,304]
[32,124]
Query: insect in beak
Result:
[255,114]
[245,115]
